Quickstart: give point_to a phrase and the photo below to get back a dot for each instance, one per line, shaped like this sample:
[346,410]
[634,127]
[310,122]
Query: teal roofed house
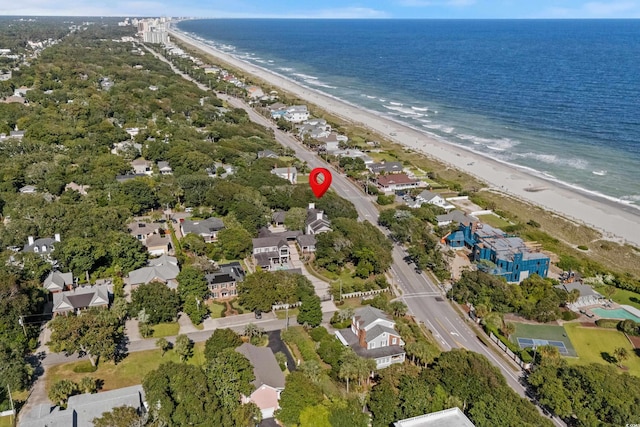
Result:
[507,256]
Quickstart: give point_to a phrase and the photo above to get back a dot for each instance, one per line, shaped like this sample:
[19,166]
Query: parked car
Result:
[258,314]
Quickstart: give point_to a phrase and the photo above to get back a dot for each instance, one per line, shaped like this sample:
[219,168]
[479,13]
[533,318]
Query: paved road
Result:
[424,299]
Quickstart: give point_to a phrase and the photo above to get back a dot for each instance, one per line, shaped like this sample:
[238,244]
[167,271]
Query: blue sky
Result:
[460,9]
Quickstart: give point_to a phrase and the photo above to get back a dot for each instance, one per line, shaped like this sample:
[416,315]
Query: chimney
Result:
[319,215]
[362,338]
[57,237]
[312,206]
[30,239]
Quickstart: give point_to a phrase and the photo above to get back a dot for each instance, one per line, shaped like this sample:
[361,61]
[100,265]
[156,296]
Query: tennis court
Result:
[535,343]
[531,335]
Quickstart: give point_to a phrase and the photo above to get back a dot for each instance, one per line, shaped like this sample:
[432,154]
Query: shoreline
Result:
[615,220]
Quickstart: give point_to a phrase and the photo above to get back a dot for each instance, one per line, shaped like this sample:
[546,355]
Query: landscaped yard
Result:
[215,309]
[165,329]
[623,297]
[595,344]
[128,372]
[544,332]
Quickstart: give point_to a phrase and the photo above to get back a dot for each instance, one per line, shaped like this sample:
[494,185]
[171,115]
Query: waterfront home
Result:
[385,168]
[396,182]
[430,198]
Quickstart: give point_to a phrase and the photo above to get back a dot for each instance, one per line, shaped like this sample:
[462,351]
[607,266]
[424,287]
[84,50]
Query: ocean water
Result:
[560,98]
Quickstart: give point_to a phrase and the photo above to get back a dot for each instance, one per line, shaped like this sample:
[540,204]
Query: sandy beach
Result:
[616,221]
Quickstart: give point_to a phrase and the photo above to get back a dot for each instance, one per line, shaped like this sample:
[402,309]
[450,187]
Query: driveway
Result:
[277,345]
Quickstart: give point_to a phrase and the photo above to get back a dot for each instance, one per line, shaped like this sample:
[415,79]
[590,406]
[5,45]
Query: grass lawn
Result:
[126,373]
[623,297]
[544,332]
[165,330]
[282,314]
[215,309]
[6,421]
[594,345]
[494,221]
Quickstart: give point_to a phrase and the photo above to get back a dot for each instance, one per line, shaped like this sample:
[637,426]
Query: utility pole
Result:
[13,411]
[286,327]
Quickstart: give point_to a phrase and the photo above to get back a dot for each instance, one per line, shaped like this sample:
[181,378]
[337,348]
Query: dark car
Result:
[258,314]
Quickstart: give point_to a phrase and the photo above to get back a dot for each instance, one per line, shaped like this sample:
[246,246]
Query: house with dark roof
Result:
[222,283]
[207,228]
[80,298]
[57,281]
[386,167]
[455,217]
[306,243]
[164,269]
[42,246]
[268,251]
[278,217]
[372,335]
[83,408]
[269,382]
[317,221]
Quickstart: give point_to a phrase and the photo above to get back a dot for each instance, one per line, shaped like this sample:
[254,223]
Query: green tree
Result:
[299,393]
[160,303]
[88,385]
[235,242]
[221,339]
[164,345]
[183,347]
[315,416]
[295,218]
[621,354]
[61,390]
[120,416]
[95,332]
[398,308]
[192,282]
[310,311]
[384,404]
[195,308]
[231,373]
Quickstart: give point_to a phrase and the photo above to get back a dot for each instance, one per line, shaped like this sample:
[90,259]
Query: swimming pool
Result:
[618,313]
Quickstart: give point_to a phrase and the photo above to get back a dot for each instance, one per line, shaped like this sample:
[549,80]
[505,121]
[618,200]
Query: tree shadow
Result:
[607,357]
[634,299]
[122,350]
[637,351]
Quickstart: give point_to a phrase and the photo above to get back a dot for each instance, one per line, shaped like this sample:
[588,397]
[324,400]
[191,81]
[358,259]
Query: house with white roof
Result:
[141,166]
[289,173]
[164,168]
[296,114]
[372,335]
[428,197]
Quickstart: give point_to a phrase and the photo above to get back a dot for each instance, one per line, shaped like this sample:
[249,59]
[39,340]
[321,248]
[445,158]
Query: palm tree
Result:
[398,308]
[348,371]
[163,344]
[508,329]
[621,354]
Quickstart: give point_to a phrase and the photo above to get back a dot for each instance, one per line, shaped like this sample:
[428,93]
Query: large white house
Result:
[289,173]
[428,197]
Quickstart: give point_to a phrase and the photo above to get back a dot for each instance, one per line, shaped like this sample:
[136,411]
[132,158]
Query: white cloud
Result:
[594,10]
[347,13]
[430,3]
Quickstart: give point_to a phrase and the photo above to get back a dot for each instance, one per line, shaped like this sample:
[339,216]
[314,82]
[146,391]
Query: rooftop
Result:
[452,417]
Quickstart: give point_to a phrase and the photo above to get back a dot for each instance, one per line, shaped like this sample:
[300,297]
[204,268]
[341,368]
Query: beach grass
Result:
[594,345]
[165,329]
[128,372]
[494,221]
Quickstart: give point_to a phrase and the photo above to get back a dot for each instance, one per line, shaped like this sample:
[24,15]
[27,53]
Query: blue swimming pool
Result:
[618,313]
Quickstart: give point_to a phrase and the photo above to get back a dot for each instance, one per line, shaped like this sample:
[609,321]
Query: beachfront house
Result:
[396,182]
[385,168]
[430,198]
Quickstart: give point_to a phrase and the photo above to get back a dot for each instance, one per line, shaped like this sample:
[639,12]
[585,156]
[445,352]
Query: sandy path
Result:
[615,220]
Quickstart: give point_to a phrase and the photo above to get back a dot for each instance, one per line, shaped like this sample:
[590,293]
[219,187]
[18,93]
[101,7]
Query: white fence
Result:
[284,306]
[506,349]
[364,293]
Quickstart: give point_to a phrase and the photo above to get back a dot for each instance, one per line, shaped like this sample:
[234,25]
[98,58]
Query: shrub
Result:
[630,327]
[569,315]
[385,200]
[318,334]
[84,367]
[583,248]
[607,323]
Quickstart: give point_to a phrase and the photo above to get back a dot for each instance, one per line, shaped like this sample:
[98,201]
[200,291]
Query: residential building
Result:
[141,166]
[317,221]
[271,250]
[143,230]
[58,282]
[119,147]
[42,246]
[158,244]
[452,417]
[455,217]
[222,283]
[587,297]
[508,256]
[386,168]
[82,189]
[278,217]
[428,197]
[372,335]
[306,243]
[289,173]
[254,92]
[396,182]
[352,153]
[28,189]
[268,154]
[164,168]
[17,134]
[164,269]
[80,298]
[296,114]
[269,382]
[83,408]
[207,228]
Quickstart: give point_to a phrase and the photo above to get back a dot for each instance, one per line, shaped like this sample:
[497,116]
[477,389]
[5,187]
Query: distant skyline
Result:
[375,9]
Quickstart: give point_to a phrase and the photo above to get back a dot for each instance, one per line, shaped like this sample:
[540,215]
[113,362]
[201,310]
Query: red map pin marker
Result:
[320,181]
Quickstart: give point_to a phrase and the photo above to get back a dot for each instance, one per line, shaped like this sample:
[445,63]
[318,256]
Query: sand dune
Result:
[615,220]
